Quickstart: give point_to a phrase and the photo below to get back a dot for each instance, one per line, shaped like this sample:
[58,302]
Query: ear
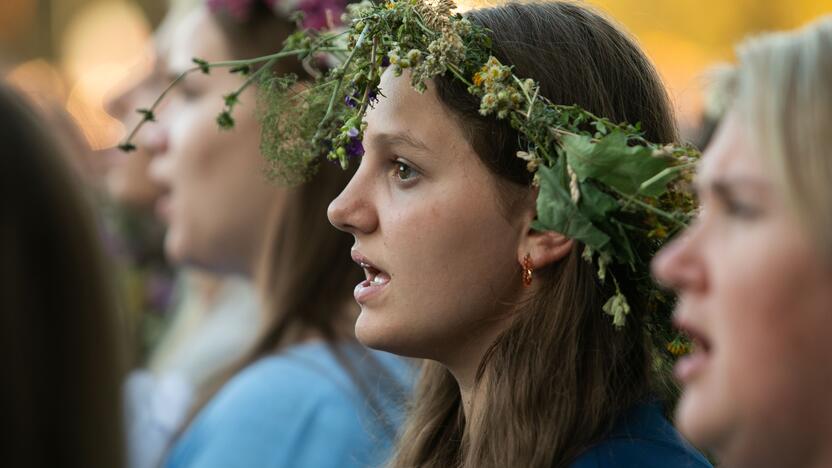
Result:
[544,247]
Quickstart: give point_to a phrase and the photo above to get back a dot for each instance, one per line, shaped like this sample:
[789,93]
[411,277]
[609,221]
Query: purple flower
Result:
[350,101]
[354,148]
[385,61]
[352,133]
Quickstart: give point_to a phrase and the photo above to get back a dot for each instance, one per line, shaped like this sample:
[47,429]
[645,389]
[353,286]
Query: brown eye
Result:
[403,171]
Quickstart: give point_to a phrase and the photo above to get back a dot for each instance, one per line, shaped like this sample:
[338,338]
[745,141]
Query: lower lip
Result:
[366,290]
[687,367]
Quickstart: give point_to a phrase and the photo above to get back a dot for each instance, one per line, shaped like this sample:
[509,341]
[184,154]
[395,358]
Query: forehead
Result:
[732,152]
[401,109]
[197,35]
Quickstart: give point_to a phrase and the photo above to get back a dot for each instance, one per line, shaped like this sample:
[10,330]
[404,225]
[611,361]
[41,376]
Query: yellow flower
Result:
[677,347]
[477,79]
[659,232]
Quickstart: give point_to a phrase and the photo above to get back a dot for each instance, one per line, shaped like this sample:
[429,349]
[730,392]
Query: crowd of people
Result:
[415,309]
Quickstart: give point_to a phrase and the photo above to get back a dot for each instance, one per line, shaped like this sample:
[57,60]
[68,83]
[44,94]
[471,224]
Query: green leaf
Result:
[203,65]
[225,120]
[147,114]
[242,69]
[595,203]
[611,161]
[127,147]
[556,211]
[231,100]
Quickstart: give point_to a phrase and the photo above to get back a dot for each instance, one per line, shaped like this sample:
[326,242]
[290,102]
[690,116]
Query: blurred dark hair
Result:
[61,360]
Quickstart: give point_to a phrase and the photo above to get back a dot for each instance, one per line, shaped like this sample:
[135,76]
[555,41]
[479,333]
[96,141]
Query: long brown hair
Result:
[560,376]
[62,364]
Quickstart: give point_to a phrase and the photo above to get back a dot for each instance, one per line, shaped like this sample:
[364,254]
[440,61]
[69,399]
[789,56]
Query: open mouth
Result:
[375,279]
[693,363]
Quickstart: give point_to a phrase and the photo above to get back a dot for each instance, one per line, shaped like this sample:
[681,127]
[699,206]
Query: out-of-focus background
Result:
[80,52]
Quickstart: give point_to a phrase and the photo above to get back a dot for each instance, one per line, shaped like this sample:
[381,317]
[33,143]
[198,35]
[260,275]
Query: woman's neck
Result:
[464,359]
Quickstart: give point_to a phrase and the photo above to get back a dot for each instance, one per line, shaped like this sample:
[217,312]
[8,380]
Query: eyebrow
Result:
[726,186]
[403,138]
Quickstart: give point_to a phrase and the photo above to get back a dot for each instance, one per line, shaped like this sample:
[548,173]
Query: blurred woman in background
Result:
[754,272]
[307,394]
[187,337]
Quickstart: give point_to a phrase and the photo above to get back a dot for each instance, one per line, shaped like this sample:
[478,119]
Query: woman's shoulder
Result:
[302,377]
[302,391]
[642,438]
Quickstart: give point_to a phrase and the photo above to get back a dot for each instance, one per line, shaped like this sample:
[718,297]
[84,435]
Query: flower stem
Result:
[648,207]
[365,100]
[358,43]
[270,59]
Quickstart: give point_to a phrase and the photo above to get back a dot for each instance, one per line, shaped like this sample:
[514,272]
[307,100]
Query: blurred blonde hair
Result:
[782,88]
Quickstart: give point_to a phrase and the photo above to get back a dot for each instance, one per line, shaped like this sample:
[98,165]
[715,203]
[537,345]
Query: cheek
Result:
[767,316]
[764,291]
[455,258]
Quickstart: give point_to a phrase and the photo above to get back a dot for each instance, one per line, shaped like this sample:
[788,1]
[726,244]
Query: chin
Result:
[370,335]
[374,334]
[174,249]
[689,417]
[700,421]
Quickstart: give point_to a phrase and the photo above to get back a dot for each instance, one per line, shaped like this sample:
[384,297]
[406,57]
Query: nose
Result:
[117,106]
[353,211]
[679,264]
[154,137]
[156,142]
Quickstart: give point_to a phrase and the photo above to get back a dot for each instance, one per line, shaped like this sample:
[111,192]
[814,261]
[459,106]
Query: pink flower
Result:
[315,12]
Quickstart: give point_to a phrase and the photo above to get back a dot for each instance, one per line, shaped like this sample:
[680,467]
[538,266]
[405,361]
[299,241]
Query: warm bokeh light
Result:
[104,45]
[687,37]
[15,16]
[40,81]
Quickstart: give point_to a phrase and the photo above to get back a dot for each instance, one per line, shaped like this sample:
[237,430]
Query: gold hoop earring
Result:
[528,266]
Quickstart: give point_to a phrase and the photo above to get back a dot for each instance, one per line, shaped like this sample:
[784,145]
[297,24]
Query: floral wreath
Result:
[600,182]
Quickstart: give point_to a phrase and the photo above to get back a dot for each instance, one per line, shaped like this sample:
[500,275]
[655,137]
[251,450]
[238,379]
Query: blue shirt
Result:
[298,409]
[642,438]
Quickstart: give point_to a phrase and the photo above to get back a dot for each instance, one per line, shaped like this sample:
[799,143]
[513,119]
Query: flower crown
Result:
[600,182]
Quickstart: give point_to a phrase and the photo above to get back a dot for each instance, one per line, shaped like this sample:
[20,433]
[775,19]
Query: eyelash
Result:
[740,210]
[398,167]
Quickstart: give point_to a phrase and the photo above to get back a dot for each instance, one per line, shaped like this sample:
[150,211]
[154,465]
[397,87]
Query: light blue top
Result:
[642,438]
[299,409]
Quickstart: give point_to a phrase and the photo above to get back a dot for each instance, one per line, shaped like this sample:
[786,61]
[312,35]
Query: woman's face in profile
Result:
[217,199]
[756,297]
[439,249]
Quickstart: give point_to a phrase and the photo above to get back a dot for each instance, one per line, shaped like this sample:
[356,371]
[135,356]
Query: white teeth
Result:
[376,280]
